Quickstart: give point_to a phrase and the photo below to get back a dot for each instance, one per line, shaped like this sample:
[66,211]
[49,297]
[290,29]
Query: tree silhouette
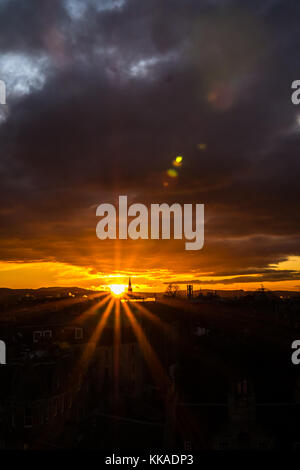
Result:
[172,290]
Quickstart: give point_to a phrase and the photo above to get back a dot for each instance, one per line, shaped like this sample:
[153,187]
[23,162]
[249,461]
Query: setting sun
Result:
[117,289]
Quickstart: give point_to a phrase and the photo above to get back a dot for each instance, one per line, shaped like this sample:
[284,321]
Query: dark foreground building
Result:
[177,374]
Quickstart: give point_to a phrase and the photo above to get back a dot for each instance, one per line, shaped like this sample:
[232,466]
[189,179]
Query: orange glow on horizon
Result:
[34,275]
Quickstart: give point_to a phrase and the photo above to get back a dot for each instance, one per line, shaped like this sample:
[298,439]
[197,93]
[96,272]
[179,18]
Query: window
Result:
[28,418]
[47,412]
[47,334]
[55,407]
[187,445]
[40,415]
[78,333]
[224,444]
[57,382]
[37,336]
[13,418]
[70,401]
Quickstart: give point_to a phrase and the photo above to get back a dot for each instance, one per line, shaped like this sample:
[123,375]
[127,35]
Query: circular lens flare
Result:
[172,173]
[117,289]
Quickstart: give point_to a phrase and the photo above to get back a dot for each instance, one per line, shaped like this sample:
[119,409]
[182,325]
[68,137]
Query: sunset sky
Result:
[102,95]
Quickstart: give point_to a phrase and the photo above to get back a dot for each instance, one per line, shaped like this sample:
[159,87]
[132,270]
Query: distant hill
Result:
[7,294]
[48,292]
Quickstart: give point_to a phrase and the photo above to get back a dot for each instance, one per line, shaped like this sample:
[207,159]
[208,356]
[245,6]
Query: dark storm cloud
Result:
[130,87]
[272,276]
[23,25]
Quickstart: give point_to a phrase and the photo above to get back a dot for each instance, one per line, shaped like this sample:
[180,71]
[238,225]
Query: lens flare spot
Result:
[202,146]
[212,97]
[178,161]
[172,173]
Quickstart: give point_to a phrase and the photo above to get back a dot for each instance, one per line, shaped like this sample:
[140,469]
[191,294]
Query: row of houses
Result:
[59,372]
